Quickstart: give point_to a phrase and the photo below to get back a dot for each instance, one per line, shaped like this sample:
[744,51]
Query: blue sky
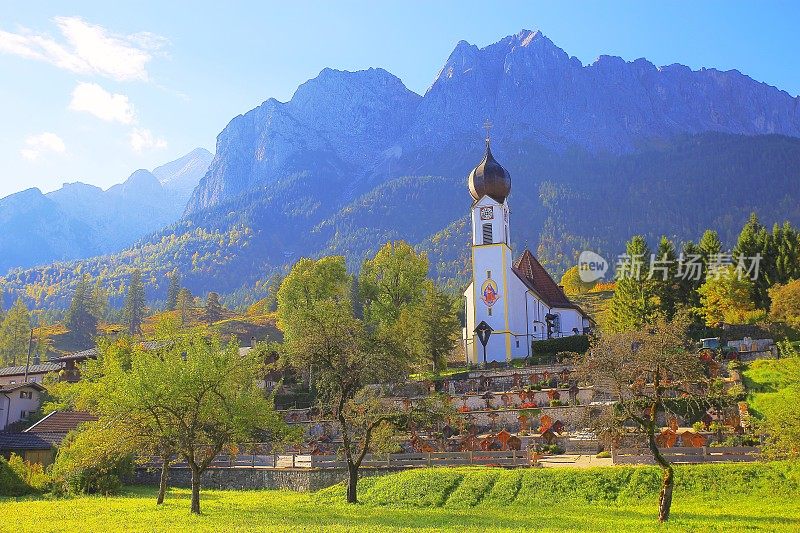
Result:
[91,91]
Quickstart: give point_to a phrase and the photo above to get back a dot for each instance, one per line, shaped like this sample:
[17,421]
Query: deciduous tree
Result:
[726,297]
[391,280]
[786,303]
[427,330]
[573,284]
[644,370]
[322,334]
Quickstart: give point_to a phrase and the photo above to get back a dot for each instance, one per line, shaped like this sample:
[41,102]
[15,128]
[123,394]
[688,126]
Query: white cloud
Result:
[143,139]
[93,99]
[35,145]
[87,49]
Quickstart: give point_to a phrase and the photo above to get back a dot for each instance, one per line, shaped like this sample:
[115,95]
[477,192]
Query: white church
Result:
[518,300]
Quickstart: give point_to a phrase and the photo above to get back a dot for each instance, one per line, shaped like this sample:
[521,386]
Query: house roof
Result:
[533,274]
[32,369]
[83,355]
[61,422]
[23,441]
[31,384]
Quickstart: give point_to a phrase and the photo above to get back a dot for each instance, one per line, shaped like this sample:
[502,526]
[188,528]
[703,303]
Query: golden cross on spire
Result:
[487,126]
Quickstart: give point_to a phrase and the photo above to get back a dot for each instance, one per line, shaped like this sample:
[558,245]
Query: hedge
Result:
[573,343]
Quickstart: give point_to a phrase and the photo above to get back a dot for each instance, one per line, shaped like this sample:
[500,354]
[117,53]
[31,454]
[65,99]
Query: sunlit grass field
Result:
[761,497]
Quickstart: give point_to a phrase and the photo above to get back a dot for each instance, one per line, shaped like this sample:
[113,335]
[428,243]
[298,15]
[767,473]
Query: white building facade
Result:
[517,299]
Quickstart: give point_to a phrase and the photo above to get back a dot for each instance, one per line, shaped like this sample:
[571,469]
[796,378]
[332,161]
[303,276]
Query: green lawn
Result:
[768,381]
[709,498]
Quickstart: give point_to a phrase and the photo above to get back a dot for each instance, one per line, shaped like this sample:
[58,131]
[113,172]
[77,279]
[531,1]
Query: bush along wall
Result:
[552,347]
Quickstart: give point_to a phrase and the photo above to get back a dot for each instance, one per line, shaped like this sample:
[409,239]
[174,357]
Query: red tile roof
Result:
[533,274]
[61,422]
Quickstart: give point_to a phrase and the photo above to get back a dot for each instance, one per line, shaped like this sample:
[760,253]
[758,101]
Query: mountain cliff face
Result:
[369,125]
[80,220]
[530,88]
[182,175]
[339,122]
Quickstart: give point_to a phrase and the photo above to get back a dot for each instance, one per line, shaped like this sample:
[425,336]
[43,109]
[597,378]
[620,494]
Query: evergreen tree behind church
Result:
[634,301]
[134,307]
[81,320]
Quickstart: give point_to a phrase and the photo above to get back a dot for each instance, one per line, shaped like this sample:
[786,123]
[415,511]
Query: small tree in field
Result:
[645,370]
[191,397]
[345,358]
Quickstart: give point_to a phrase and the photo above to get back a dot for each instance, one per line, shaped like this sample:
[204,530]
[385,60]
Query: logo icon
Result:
[489,293]
[591,266]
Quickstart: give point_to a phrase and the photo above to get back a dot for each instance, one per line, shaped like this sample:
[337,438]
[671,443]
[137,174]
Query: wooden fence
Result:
[685,455]
[395,460]
[406,460]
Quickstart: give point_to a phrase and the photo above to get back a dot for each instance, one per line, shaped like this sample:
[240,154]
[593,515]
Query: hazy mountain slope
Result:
[561,202]
[182,175]
[80,220]
[35,230]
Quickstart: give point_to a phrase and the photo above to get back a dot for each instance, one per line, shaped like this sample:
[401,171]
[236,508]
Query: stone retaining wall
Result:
[299,479]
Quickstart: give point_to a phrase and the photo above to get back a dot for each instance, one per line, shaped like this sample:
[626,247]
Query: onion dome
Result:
[489,178]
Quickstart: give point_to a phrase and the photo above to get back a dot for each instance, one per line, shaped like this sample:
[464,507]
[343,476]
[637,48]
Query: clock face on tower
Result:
[487,213]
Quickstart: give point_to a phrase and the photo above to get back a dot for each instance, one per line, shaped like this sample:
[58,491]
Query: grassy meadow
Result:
[752,497]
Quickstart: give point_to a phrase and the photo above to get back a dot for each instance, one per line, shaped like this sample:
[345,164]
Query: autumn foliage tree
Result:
[644,369]
[344,357]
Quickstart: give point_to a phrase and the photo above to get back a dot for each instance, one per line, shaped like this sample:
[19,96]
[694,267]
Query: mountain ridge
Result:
[81,220]
[597,153]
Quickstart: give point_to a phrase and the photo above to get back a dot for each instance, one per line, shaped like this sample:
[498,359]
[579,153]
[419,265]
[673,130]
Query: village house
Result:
[18,402]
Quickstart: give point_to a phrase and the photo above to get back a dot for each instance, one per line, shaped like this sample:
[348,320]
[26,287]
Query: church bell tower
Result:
[489,185]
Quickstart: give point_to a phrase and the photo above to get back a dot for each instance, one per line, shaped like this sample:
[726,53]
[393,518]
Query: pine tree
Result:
[689,280]
[134,307]
[709,246]
[99,301]
[634,300]
[15,334]
[213,308]
[664,277]
[81,320]
[786,249]
[173,290]
[754,241]
[185,301]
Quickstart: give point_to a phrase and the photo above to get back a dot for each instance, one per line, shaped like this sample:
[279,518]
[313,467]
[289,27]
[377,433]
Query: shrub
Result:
[90,462]
[12,478]
[573,343]
[605,454]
